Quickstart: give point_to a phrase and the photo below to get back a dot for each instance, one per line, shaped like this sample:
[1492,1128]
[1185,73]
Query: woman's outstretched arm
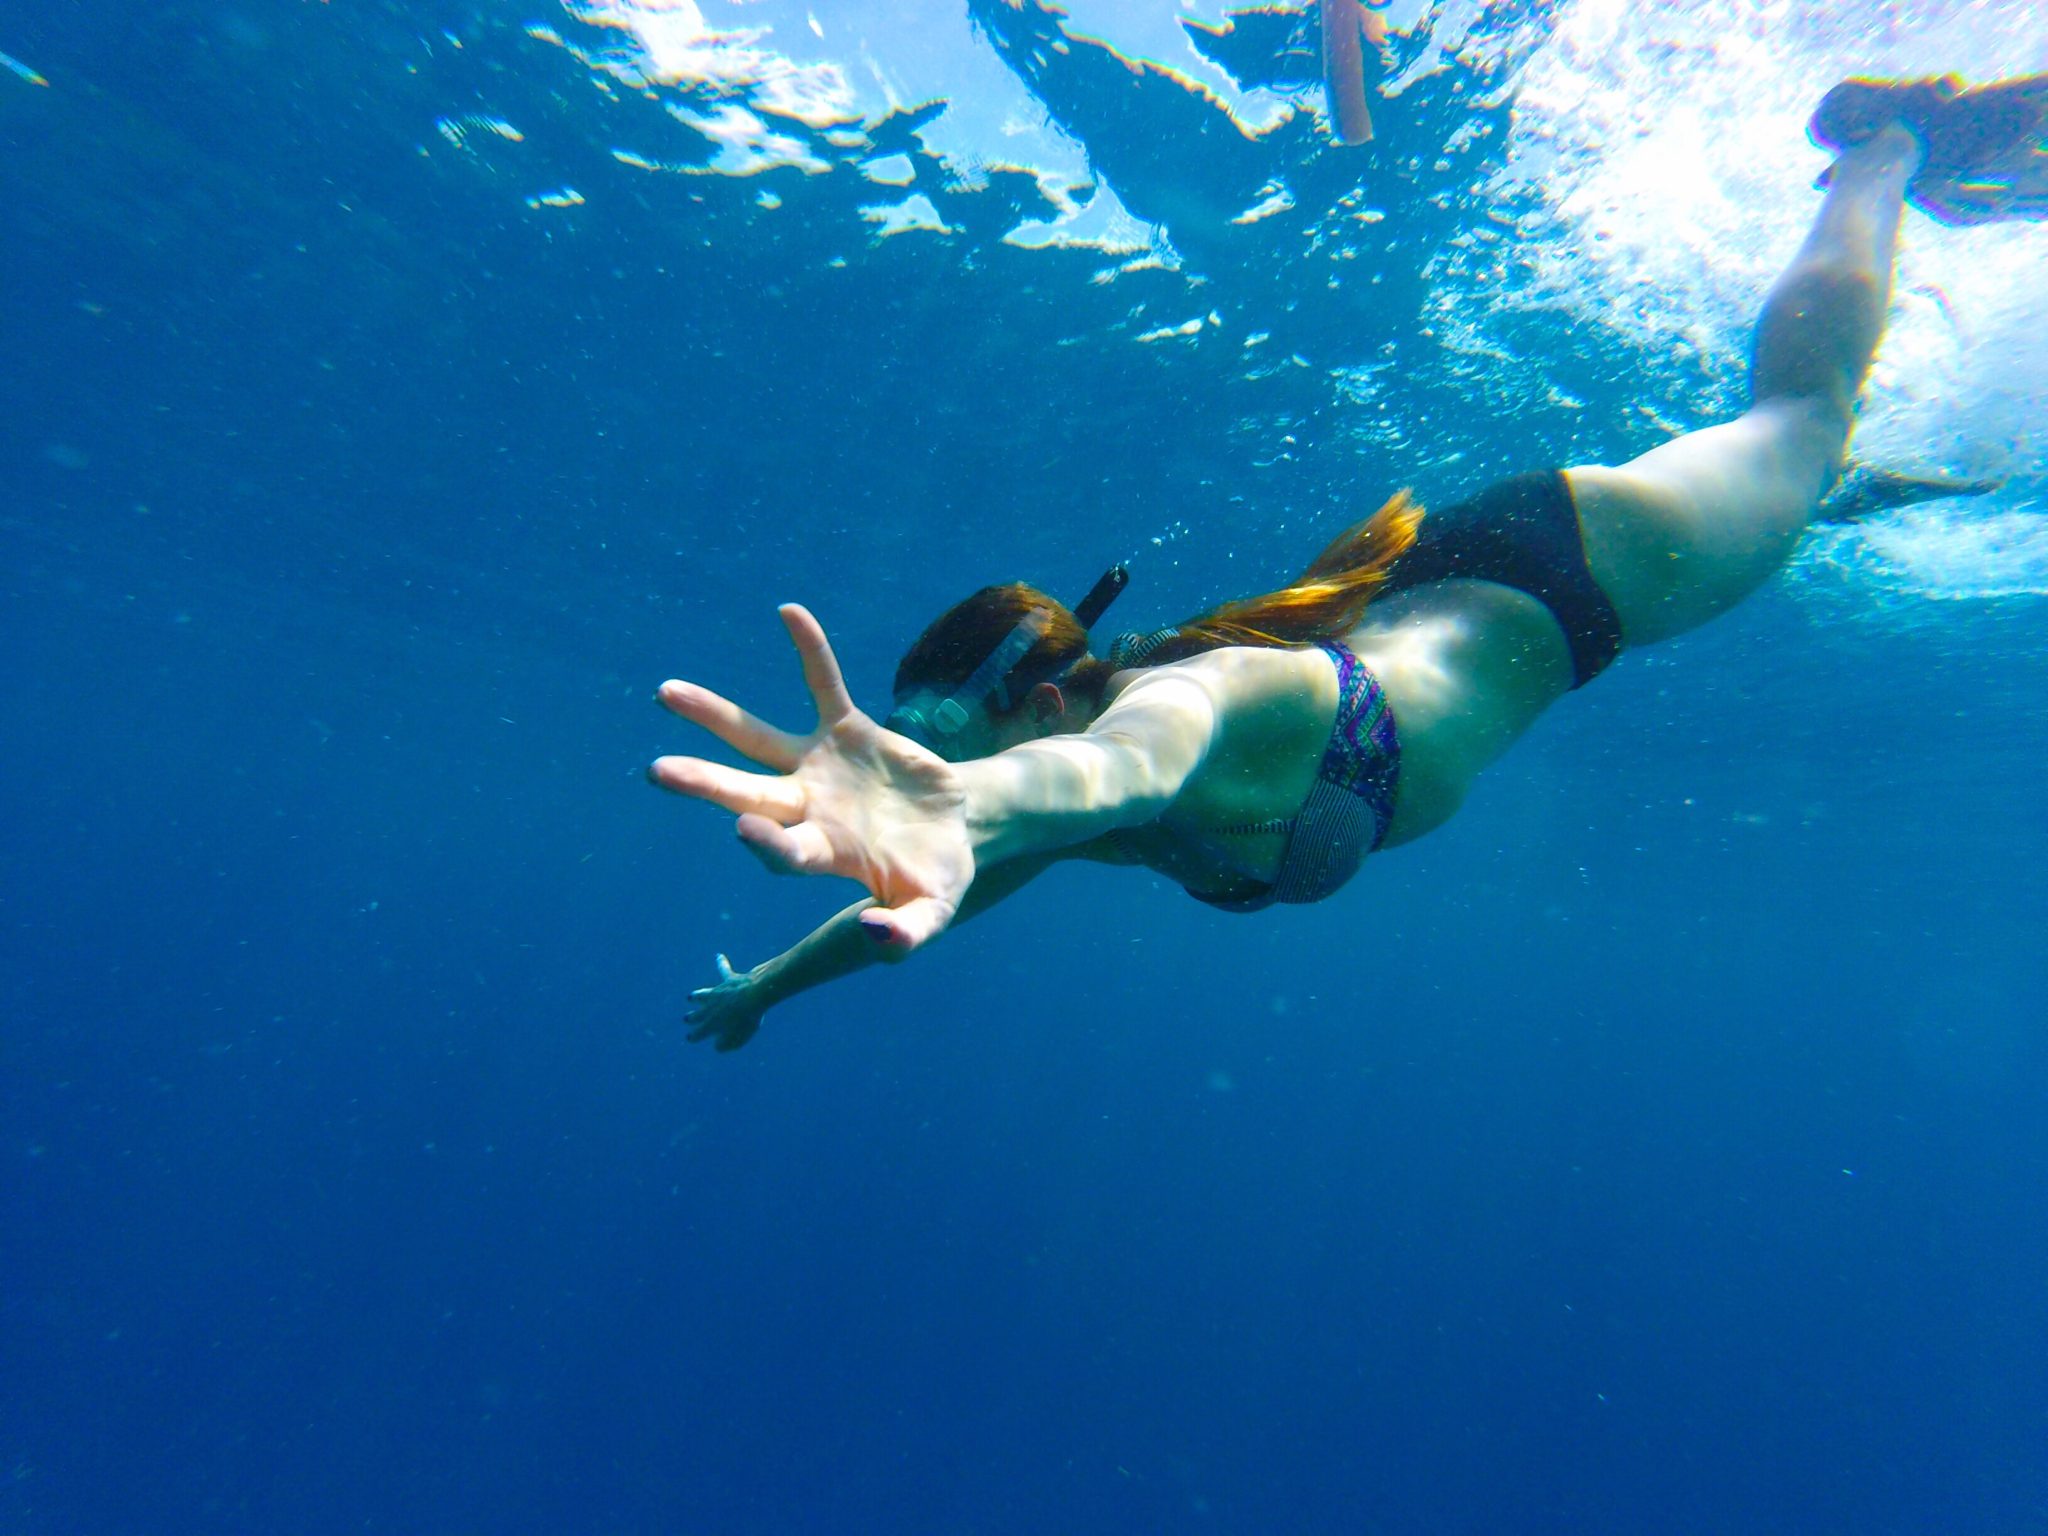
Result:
[854,800]
[1125,770]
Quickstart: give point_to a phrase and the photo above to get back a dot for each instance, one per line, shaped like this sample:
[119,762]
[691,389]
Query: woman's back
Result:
[1467,667]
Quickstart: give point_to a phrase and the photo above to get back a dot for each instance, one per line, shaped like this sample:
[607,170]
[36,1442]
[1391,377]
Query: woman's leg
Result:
[1691,528]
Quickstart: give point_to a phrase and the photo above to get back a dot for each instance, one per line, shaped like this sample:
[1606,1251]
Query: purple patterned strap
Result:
[1351,805]
[1364,756]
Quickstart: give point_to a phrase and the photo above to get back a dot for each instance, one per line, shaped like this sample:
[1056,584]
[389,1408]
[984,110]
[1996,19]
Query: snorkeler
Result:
[1258,752]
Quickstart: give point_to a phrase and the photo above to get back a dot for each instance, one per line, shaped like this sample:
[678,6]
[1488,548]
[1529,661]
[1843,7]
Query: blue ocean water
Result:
[396,393]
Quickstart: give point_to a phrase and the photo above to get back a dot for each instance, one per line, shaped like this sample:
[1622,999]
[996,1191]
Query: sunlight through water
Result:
[1656,178]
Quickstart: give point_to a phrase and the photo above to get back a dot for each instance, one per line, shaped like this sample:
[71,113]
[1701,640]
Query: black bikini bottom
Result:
[1522,532]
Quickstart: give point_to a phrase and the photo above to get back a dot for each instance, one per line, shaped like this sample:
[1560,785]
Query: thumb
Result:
[798,850]
[902,929]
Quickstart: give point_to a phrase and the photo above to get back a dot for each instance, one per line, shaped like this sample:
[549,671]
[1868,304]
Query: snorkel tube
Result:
[1108,588]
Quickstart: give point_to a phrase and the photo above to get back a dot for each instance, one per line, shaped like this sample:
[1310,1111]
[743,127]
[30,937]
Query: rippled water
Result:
[1638,171]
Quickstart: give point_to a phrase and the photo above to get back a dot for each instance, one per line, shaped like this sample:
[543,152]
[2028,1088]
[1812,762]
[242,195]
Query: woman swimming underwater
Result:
[1258,752]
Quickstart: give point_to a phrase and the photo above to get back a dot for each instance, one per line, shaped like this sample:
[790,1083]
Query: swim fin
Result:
[1865,490]
[1987,145]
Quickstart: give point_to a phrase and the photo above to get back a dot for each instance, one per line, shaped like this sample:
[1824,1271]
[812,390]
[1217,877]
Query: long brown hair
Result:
[1321,603]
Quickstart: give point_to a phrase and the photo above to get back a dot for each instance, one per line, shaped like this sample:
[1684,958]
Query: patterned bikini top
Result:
[1349,807]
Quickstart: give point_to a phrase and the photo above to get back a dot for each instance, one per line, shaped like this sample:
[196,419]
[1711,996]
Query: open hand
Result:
[729,1012]
[848,799]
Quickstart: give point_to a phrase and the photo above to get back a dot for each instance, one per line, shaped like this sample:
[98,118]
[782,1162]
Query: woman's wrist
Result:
[1047,795]
[995,830]
[1026,800]
[767,982]
[984,825]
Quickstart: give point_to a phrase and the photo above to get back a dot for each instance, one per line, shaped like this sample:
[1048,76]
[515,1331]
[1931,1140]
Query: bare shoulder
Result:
[1268,713]
[1237,677]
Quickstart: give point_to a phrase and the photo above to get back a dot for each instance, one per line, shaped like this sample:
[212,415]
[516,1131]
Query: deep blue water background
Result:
[1660,1147]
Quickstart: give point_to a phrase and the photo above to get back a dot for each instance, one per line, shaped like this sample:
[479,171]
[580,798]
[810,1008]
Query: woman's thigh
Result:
[1688,530]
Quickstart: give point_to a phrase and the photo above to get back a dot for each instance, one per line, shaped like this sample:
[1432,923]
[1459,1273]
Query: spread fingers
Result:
[821,667]
[742,793]
[732,725]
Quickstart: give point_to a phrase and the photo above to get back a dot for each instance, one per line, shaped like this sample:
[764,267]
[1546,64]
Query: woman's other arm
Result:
[730,1011]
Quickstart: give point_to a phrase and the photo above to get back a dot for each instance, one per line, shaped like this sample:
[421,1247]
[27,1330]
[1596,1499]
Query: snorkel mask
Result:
[933,725]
